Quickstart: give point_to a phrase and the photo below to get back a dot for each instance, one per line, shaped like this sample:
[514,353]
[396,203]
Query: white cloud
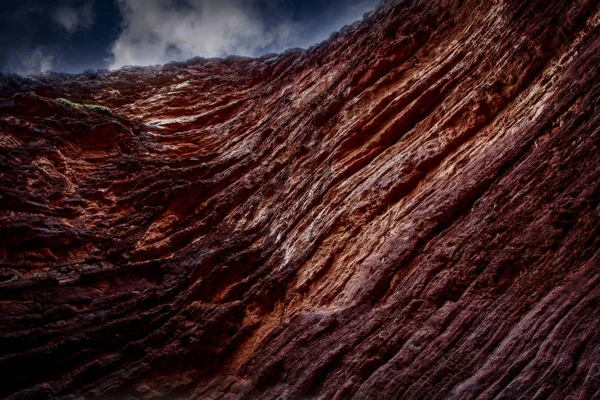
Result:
[159,31]
[32,62]
[74,19]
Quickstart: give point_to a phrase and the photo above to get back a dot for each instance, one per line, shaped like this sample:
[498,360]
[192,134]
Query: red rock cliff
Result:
[408,210]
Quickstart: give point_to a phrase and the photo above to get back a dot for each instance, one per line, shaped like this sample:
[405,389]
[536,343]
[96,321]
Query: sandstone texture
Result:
[408,210]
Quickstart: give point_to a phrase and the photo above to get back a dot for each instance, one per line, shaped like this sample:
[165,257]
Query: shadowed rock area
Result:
[410,209]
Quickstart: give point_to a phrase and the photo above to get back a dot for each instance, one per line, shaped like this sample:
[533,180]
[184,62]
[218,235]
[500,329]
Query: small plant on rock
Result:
[78,106]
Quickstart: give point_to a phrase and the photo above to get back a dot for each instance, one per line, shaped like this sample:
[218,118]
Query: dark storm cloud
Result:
[30,61]
[72,35]
[31,32]
[19,53]
[73,18]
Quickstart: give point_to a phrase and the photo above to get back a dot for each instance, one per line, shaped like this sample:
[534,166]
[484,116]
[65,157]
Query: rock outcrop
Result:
[407,210]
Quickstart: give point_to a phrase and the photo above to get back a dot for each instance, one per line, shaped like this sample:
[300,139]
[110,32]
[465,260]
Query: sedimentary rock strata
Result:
[407,210]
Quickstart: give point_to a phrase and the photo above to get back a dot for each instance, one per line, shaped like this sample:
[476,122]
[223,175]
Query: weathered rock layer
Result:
[408,210]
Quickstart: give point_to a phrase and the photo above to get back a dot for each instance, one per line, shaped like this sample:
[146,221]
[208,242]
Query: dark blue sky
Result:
[74,35]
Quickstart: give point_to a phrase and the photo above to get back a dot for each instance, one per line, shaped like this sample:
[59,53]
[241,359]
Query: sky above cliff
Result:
[75,35]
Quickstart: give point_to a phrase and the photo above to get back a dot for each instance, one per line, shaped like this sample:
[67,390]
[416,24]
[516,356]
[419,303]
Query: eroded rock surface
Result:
[408,210]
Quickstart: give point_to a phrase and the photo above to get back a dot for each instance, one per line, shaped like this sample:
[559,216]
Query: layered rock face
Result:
[408,210]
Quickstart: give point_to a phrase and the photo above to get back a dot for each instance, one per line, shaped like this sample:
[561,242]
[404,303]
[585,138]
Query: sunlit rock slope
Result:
[407,210]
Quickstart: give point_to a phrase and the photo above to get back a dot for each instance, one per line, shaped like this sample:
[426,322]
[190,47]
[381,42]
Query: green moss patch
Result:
[78,106]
